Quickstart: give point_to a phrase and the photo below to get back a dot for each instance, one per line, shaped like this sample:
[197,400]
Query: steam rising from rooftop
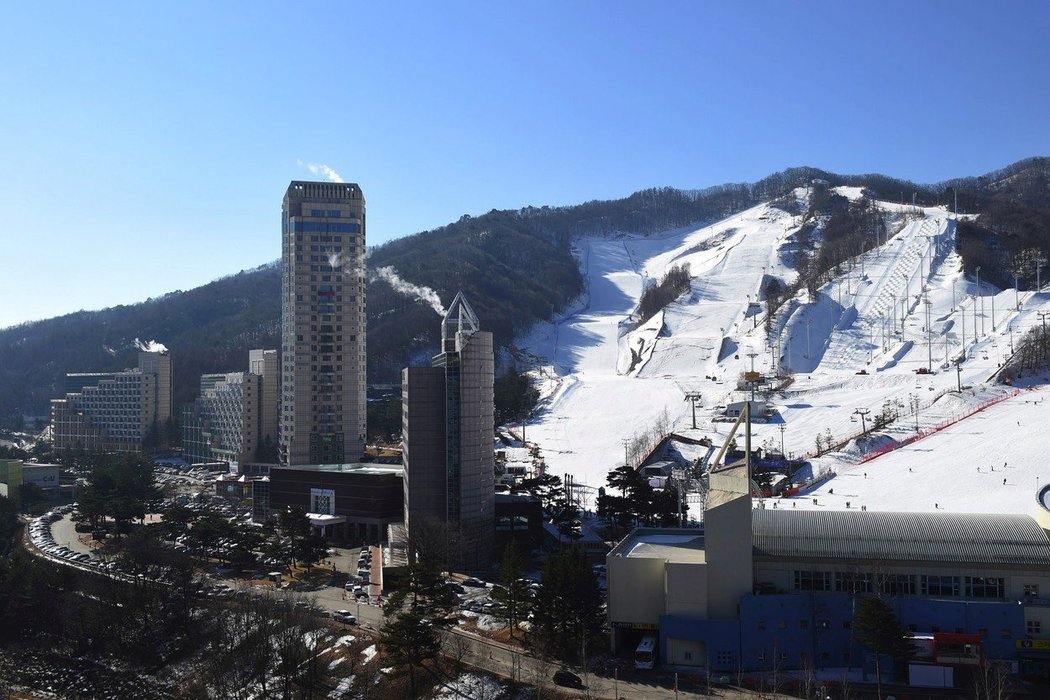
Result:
[149,346]
[424,294]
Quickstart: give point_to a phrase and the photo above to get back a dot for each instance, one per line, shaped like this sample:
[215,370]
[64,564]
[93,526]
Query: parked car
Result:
[473,582]
[567,679]
[344,616]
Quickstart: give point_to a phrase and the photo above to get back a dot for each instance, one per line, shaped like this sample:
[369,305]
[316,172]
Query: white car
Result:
[344,616]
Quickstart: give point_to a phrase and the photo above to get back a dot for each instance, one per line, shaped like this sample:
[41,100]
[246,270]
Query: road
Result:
[484,654]
[64,533]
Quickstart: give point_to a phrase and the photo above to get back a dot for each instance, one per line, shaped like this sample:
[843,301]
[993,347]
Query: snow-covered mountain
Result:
[881,337]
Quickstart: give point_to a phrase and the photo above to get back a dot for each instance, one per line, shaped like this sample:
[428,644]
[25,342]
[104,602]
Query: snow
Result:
[342,688]
[470,685]
[369,652]
[965,467]
[901,307]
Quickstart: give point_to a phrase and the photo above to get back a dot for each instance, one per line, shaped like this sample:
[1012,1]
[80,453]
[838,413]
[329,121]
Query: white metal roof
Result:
[944,537]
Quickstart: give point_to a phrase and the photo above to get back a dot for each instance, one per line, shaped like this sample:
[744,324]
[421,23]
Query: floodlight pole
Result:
[929,339]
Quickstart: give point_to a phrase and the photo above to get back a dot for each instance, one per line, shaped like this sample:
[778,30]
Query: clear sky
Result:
[145,147]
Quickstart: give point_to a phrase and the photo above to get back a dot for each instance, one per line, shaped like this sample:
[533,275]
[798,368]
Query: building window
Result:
[898,584]
[1033,627]
[688,656]
[1031,590]
[984,587]
[812,580]
[942,586]
[851,582]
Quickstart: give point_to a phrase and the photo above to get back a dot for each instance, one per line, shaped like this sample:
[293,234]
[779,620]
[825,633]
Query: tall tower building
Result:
[447,428]
[322,401]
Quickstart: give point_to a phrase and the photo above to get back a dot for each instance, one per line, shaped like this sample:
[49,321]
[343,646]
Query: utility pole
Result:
[783,428]
[1042,316]
[752,355]
[1039,262]
[929,338]
[963,315]
[808,323]
[1017,301]
[694,397]
[863,413]
[982,298]
[679,477]
[913,400]
[958,375]
[626,458]
[974,319]
[993,313]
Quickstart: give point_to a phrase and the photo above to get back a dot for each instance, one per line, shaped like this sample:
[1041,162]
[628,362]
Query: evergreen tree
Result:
[876,626]
[568,616]
[512,594]
[416,613]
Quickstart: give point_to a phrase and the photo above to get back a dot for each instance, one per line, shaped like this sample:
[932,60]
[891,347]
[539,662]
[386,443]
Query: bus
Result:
[645,654]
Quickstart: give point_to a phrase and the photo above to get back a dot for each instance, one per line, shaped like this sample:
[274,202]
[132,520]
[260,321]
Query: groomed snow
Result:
[872,318]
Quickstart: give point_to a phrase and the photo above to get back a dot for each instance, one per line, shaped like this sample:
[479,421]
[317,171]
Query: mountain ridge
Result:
[516,266]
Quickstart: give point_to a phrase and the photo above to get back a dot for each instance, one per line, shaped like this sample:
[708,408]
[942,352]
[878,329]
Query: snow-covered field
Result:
[902,306]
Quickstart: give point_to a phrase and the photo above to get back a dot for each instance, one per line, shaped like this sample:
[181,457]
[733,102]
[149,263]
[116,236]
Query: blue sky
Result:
[146,148]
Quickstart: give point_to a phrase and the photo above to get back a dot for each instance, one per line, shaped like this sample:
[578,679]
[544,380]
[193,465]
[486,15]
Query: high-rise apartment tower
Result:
[447,428]
[322,401]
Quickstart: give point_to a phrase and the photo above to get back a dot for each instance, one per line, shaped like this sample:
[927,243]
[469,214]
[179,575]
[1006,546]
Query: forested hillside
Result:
[515,266]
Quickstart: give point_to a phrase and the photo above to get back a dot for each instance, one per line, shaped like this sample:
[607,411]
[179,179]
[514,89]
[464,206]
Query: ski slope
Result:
[901,307]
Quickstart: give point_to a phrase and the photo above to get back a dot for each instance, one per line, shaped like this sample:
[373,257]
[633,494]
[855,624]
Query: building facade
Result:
[448,450]
[763,591]
[348,502]
[322,392]
[113,411]
[235,417]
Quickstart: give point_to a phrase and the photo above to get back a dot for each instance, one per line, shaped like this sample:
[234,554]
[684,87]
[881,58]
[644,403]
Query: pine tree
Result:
[415,615]
[568,614]
[876,626]
[512,594]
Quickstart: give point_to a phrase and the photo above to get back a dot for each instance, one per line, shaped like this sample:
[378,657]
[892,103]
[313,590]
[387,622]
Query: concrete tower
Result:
[322,401]
[448,439]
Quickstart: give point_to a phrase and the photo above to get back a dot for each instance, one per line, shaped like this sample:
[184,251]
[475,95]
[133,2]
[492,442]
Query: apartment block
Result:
[113,411]
[235,417]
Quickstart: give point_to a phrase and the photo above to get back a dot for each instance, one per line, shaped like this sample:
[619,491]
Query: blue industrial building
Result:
[761,590]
